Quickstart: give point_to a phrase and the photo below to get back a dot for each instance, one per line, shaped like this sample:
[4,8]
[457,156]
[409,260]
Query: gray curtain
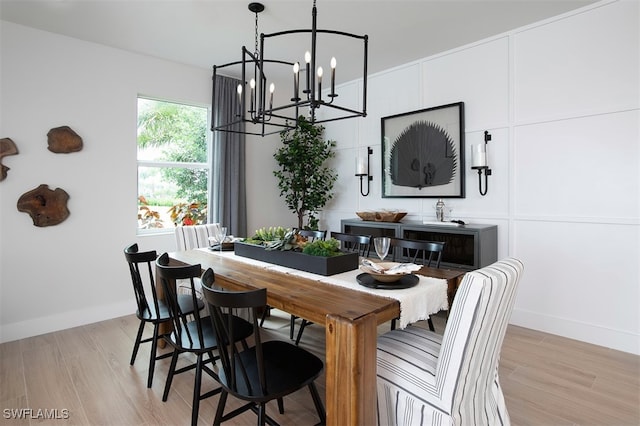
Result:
[227,190]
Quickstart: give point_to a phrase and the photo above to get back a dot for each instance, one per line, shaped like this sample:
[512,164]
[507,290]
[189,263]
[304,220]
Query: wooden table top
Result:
[299,296]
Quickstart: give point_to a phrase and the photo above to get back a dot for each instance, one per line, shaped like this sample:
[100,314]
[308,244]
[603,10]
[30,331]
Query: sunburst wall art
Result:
[423,153]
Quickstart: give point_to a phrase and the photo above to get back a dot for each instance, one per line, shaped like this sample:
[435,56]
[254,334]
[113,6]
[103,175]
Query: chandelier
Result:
[256,92]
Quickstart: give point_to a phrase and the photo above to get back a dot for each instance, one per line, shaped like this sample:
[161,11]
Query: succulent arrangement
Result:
[287,239]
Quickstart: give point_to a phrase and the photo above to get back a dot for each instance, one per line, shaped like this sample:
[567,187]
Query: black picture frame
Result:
[423,153]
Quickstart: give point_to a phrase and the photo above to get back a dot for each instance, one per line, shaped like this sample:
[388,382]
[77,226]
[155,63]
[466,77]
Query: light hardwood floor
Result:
[547,380]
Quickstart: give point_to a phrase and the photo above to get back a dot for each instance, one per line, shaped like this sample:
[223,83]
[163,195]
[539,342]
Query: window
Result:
[173,168]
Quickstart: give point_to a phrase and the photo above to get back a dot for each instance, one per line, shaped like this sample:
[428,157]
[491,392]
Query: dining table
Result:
[350,315]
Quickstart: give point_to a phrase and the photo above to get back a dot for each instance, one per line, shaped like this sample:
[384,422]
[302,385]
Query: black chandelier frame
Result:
[262,112]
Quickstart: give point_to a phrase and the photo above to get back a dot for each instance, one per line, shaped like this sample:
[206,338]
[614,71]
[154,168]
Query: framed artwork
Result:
[423,153]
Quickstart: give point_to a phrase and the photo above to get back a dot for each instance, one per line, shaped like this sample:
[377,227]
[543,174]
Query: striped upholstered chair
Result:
[192,237]
[196,236]
[428,379]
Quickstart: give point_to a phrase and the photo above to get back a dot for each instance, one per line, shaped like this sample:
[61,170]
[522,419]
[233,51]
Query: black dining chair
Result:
[360,244]
[406,250]
[150,308]
[313,234]
[193,333]
[264,372]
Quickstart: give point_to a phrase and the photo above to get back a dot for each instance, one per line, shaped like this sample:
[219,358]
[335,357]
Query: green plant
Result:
[326,248]
[188,213]
[303,178]
[270,233]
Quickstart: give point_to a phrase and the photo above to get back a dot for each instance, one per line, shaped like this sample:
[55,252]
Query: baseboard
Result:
[615,339]
[70,319]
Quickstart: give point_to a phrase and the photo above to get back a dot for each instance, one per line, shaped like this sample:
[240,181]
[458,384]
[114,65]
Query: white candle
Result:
[252,84]
[361,167]
[478,155]
[272,89]
[296,76]
[307,59]
[319,83]
[333,76]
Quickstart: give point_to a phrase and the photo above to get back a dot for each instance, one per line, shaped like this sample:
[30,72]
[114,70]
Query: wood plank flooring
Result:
[82,376]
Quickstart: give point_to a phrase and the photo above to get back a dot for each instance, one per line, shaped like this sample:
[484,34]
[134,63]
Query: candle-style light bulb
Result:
[240,106]
[307,59]
[272,88]
[252,85]
[333,76]
[319,83]
[296,80]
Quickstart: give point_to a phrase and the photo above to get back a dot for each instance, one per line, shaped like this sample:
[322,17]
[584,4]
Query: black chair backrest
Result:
[167,276]
[313,234]
[360,244]
[142,264]
[235,367]
[409,249]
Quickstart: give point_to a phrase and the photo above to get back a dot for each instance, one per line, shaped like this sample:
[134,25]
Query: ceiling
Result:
[208,32]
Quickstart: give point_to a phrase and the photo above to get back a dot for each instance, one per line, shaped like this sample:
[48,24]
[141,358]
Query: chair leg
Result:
[195,406]
[431,327]
[318,403]
[264,315]
[303,324]
[292,325]
[172,369]
[136,345]
[262,414]
[280,405]
[393,324]
[152,357]
[220,411]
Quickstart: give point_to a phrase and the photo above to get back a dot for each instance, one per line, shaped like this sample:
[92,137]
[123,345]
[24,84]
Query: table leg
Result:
[351,371]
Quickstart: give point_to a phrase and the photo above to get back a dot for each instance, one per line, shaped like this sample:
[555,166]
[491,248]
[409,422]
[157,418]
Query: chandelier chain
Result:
[256,36]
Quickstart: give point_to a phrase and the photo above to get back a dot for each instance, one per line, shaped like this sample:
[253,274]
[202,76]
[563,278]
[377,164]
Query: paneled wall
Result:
[561,100]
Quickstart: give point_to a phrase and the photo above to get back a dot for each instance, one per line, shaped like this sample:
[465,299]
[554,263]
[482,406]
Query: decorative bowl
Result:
[387,216]
[381,276]
[371,216]
[382,216]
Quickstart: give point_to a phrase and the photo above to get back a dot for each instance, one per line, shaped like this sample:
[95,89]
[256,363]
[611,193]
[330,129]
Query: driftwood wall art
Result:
[7,147]
[63,140]
[45,206]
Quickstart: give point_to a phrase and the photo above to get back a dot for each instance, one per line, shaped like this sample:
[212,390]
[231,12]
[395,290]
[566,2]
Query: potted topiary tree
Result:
[304,179]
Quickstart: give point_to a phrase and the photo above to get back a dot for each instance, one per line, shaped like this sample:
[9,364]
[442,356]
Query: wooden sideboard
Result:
[467,247]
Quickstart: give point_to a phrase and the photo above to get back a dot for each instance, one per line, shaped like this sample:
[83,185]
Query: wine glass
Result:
[381,245]
[222,235]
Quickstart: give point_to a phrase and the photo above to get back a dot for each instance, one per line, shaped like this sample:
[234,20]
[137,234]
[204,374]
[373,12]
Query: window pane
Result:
[170,135]
[169,196]
[171,132]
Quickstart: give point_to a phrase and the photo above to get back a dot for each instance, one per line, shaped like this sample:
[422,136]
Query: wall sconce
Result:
[362,170]
[479,162]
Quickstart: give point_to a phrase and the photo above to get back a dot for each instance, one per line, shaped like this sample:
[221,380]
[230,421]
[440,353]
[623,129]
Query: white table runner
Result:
[426,298]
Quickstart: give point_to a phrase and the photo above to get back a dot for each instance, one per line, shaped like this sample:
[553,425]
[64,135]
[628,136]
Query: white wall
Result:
[74,273]
[561,100]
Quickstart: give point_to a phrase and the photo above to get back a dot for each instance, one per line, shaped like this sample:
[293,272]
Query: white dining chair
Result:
[424,378]
[193,237]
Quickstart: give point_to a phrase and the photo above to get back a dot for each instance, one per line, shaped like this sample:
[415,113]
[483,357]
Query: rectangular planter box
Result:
[296,260]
